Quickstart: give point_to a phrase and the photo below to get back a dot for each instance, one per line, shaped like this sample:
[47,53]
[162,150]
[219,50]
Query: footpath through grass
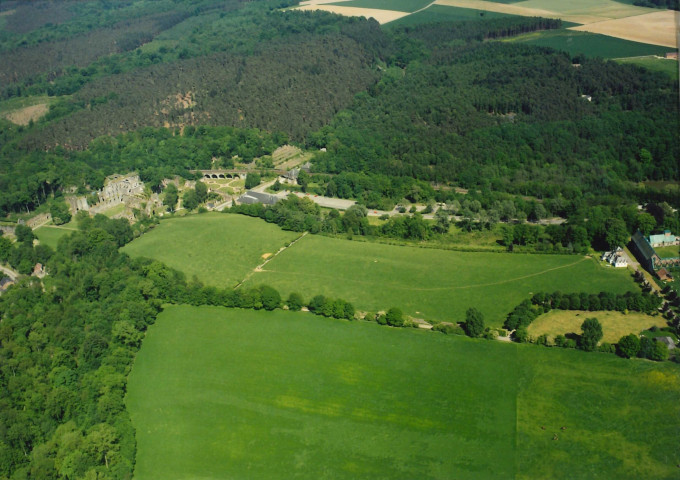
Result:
[219,249]
[429,283]
[229,393]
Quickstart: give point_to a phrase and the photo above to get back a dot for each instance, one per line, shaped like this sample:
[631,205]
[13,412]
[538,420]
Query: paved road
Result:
[9,272]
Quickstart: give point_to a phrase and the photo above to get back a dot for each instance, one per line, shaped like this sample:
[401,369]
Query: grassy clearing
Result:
[430,283]
[654,63]
[614,324]
[589,44]
[219,249]
[441,13]
[216,393]
[396,5]
[668,252]
[50,234]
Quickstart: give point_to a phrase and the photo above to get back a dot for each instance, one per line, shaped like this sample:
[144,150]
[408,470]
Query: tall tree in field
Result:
[591,334]
[474,322]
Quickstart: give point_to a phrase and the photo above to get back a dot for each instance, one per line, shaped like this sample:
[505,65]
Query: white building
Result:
[615,258]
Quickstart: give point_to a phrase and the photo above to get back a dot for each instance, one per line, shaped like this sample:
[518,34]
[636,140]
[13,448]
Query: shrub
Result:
[606,347]
[369,317]
[628,346]
[474,322]
[381,319]
[394,317]
[295,302]
[270,297]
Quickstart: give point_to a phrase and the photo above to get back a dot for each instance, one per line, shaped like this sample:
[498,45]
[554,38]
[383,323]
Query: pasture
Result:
[429,283]
[219,393]
[614,324]
[434,284]
[219,249]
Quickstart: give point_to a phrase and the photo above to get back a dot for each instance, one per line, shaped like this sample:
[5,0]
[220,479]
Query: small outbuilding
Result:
[668,341]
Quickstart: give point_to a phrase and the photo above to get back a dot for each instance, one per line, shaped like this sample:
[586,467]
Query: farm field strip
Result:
[382,16]
[658,28]
[215,392]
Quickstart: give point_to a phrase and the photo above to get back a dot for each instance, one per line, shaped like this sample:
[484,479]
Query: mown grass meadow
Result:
[220,393]
[218,249]
[430,283]
[434,284]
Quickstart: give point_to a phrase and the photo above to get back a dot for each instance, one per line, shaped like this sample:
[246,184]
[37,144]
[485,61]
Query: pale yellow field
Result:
[658,28]
[24,115]
[382,16]
[583,11]
[614,324]
[606,17]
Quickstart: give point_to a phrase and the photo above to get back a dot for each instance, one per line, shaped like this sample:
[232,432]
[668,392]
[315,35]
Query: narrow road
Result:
[10,273]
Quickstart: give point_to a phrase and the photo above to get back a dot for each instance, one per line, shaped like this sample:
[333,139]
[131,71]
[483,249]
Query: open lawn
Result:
[219,393]
[222,249]
[614,324]
[430,283]
[219,249]
[668,252]
[50,234]
[589,44]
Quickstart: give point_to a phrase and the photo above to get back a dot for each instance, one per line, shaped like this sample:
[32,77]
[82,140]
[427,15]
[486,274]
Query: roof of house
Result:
[666,340]
[258,197]
[663,274]
[643,245]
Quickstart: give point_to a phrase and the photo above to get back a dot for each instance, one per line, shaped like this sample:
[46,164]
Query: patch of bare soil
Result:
[24,115]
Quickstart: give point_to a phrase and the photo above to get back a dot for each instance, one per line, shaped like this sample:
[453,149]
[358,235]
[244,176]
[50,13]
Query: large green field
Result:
[218,249]
[433,284]
[230,393]
[589,44]
[428,283]
[657,64]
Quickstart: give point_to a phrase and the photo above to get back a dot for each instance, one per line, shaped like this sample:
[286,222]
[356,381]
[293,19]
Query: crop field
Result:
[589,44]
[659,28]
[219,249]
[219,393]
[440,13]
[614,324]
[397,5]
